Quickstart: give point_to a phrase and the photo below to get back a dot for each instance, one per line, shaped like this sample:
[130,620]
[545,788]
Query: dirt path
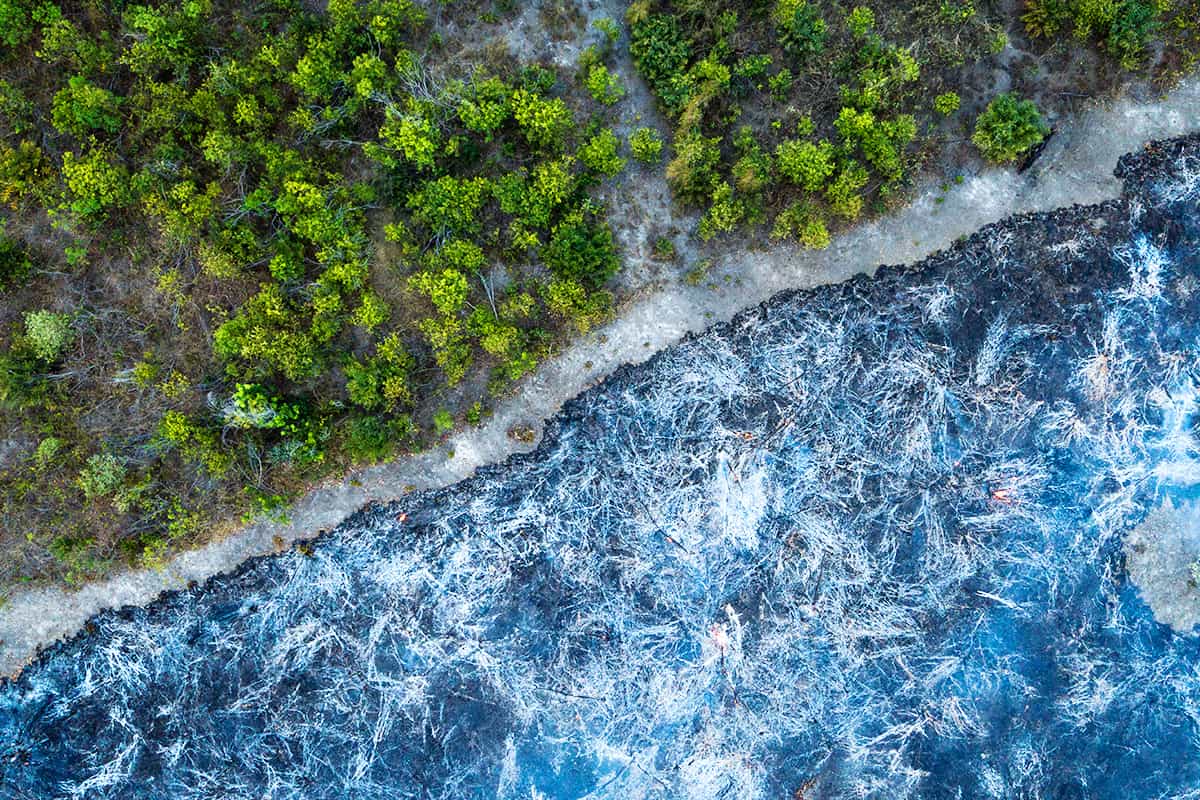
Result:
[1075,168]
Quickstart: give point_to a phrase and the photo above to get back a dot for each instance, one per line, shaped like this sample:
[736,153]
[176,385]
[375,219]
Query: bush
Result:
[48,334]
[582,250]
[600,154]
[82,107]
[860,21]
[802,221]
[367,439]
[723,215]
[94,183]
[543,122]
[1007,128]
[449,203]
[806,164]
[102,474]
[660,50]
[946,104]
[801,29]
[381,381]
[47,450]
[692,174]
[604,86]
[1124,26]
[646,145]
[443,422]
[843,193]
[16,23]
[487,107]
[446,289]
[14,263]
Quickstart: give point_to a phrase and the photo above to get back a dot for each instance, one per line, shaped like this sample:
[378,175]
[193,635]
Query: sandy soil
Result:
[1163,556]
[1076,167]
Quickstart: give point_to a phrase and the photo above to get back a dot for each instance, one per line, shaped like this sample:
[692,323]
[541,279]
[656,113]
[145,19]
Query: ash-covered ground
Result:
[865,541]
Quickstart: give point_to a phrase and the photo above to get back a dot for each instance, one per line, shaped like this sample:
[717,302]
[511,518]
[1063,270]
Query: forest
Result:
[249,246]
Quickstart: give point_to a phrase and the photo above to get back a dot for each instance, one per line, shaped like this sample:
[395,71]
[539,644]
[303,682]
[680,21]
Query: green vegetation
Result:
[291,233]
[1008,128]
[245,247]
[797,113]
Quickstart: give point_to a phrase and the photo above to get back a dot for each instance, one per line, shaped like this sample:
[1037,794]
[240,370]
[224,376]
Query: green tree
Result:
[583,250]
[82,108]
[1008,128]
[95,183]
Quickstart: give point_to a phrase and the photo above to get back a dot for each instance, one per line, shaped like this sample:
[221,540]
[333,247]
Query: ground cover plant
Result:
[247,247]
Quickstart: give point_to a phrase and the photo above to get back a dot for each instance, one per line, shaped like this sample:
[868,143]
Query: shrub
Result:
[196,443]
[604,86]
[692,174]
[16,23]
[372,311]
[446,289]
[843,192]
[800,27]
[381,381]
[582,250]
[804,222]
[21,381]
[723,215]
[486,107]
[1008,127]
[450,203]
[443,422]
[102,474]
[646,145]
[451,351]
[544,123]
[23,171]
[600,153]
[368,439]
[1124,26]
[860,21]
[94,183]
[14,263]
[569,299]
[660,50]
[413,136]
[535,198]
[47,450]
[946,103]
[806,164]
[83,107]
[48,334]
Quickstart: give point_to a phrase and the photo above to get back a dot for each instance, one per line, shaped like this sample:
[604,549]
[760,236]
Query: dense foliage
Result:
[299,233]
[1008,128]
[796,113]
